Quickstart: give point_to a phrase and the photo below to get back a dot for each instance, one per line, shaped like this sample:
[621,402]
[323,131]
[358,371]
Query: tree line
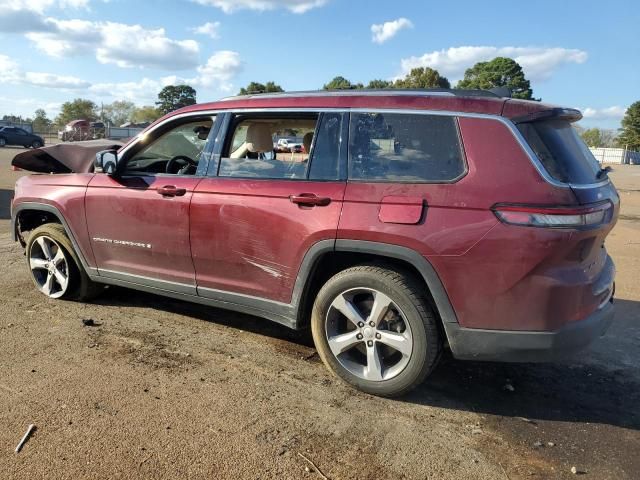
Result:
[499,72]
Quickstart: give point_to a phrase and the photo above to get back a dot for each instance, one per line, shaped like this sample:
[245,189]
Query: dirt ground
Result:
[165,389]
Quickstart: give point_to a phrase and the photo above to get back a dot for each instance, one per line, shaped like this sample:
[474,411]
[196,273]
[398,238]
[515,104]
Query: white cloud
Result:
[125,45]
[10,72]
[42,5]
[211,29]
[615,112]
[387,30]
[295,6]
[538,63]
[51,80]
[217,73]
[219,70]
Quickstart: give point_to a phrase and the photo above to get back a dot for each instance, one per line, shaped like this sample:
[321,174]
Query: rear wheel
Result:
[374,328]
[3,142]
[55,268]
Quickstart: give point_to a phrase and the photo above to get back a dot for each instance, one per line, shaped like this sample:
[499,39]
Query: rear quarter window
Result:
[407,148]
[561,151]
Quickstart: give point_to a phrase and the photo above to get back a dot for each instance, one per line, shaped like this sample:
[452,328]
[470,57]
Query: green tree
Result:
[341,83]
[145,114]
[119,112]
[41,122]
[630,132]
[380,84]
[423,77]
[78,109]
[173,97]
[256,87]
[499,72]
[592,137]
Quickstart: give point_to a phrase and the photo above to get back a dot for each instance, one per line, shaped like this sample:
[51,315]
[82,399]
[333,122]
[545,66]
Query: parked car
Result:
[422,220]
[288,145]
[19,136]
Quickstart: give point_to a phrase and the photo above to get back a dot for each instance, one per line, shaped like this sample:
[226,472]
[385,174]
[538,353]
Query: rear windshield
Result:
[561,151]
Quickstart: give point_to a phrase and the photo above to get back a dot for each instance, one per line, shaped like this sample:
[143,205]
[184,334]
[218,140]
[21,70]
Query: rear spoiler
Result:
[569,114]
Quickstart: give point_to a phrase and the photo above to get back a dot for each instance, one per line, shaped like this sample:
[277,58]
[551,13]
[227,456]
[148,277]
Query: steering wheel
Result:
[181,164]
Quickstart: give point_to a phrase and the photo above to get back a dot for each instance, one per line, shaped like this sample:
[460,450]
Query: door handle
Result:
[310,200]
[171,191]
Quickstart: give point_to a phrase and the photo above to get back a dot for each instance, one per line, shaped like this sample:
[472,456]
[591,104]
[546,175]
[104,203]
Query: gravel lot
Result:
[165,389]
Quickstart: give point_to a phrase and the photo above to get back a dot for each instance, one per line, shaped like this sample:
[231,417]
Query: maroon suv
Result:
[417,220]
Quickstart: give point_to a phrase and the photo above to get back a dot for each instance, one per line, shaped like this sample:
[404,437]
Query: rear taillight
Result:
[15,169]
[555,217]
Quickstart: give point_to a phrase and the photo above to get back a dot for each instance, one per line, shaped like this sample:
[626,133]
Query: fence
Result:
[616,155]
[50,135]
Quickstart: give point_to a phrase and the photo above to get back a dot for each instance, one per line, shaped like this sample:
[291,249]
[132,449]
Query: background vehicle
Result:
[18,136]
[382,240]
[75,131]
[289,145]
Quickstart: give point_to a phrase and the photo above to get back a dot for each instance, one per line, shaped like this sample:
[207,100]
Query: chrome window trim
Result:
[505,121]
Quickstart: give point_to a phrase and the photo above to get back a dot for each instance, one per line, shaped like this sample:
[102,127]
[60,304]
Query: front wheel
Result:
[55,268]
[36,144]
[374,328]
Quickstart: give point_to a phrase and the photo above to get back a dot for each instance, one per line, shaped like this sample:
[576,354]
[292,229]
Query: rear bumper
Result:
[525,346]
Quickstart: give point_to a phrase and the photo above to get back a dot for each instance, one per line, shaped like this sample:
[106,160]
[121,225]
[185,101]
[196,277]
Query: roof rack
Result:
[498,92]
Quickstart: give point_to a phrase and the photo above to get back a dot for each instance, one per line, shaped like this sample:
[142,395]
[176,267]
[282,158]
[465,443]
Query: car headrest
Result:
[306,142]
[259,138]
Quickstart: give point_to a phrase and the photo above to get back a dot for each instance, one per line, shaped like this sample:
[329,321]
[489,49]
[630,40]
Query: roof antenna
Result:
[504,92]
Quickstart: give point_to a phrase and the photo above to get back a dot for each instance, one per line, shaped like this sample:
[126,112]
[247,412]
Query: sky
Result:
[581,54]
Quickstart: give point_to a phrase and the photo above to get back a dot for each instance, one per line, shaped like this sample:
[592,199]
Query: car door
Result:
[138,219]
[11,136]
[254,219]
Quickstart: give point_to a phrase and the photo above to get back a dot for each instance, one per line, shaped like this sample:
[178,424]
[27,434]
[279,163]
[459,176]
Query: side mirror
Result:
[106,162]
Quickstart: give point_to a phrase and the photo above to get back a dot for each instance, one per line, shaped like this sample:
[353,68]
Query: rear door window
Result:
[410,148]
[561,151]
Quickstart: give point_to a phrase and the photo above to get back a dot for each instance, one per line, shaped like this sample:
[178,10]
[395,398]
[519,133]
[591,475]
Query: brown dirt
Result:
[165,389]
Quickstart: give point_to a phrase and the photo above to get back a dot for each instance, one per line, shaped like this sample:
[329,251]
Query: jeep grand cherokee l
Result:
[419,220]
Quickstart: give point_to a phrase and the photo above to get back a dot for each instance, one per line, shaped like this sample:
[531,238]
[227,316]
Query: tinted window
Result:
[561,150]
[256,147]
[404,147]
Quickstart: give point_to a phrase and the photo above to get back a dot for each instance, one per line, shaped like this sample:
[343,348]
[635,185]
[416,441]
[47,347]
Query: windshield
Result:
[561,151]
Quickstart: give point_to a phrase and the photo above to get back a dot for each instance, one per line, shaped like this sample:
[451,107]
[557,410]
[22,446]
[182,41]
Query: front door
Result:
[259,212]
[138,220]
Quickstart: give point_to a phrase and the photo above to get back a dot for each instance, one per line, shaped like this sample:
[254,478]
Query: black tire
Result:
[3,142]
[80,287]
[36,144]
[409,295]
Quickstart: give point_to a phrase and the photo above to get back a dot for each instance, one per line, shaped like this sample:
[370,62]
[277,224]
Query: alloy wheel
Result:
[49,267]
[368,334]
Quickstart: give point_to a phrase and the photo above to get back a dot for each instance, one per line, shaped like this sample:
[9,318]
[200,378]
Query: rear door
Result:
[259,212]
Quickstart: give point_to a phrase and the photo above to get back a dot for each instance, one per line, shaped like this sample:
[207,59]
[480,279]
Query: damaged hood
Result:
[74,157]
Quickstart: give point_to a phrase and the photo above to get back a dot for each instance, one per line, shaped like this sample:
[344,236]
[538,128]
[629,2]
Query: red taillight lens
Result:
[555,217]
[15,169]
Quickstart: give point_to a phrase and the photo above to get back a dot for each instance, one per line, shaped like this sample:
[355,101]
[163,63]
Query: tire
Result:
[61,261]
[407,321]
[3,142]
[36,144]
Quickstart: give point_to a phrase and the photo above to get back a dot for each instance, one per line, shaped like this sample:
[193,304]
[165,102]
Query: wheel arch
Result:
[323,261]
[38,214]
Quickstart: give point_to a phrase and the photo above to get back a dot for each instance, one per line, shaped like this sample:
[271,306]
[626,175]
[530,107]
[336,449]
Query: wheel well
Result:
[27,220]
[331,263]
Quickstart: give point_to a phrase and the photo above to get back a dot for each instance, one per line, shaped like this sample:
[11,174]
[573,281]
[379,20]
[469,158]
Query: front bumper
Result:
[526,346]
